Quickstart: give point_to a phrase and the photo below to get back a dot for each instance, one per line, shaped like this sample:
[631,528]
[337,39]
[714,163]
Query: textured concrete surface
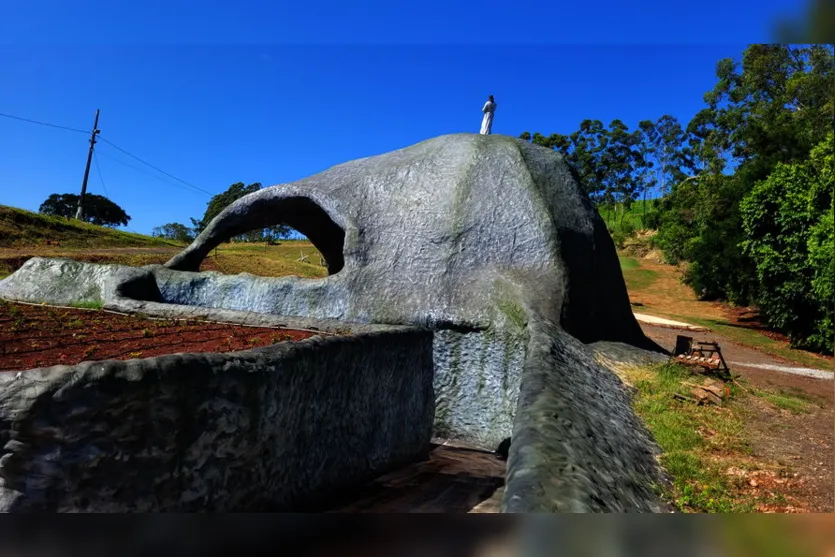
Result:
[428,232]
[577,445]
[267,429]
[486,240]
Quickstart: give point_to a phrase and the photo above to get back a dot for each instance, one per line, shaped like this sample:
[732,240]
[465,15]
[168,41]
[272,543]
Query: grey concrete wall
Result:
[577,446]
[266,429]
[477,384]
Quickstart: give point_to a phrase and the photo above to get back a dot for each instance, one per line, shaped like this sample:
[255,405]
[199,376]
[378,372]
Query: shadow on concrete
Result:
[454,479]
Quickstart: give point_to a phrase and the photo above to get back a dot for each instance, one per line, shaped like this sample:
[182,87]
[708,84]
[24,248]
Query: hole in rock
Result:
[299,238]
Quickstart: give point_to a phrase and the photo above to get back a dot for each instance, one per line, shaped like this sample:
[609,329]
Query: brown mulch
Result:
[41,336]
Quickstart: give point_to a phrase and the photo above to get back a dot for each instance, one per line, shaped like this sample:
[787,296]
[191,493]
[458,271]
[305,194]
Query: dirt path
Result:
[800,444]
[652,320]
[749,362]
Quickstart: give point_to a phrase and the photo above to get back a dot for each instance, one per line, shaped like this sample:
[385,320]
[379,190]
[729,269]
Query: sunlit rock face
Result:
[485,239]
[465,234]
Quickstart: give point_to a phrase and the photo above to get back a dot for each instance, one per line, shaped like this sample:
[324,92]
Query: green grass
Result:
[636,278]
[786,401]
[628,263]
[23,234]
[699,444]
[698,481]
[87,305]
[5,269]
[21,228]
[275,261]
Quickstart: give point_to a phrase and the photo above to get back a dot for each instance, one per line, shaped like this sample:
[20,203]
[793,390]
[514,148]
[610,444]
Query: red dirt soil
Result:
[41,336]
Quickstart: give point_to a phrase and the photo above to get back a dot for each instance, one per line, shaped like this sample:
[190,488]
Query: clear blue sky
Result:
[230,100]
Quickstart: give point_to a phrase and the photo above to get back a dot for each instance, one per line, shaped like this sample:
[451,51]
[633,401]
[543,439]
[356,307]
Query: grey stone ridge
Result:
[486,240]
[271,429]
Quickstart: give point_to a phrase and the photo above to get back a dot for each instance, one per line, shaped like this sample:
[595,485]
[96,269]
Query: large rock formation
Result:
[423,234]
[488,241]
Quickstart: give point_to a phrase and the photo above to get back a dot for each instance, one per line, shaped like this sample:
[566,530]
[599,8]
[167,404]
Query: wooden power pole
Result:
[79,214]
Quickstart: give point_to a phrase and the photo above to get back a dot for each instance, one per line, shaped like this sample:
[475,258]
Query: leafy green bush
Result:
[627,227]
[701,224]
[788,222]
[652,220]
[623,233]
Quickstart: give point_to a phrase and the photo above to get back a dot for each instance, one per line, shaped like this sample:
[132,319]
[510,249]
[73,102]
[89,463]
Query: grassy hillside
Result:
[20,228]
[634,215]
[24,235]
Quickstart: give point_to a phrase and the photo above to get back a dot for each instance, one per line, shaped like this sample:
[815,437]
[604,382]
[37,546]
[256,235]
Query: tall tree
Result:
[173,231]
[587,147]
[97,209]
[622,162]
[583,150]
[668,160]
[772,108]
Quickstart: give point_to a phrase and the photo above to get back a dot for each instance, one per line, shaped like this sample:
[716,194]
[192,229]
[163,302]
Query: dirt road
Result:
[801,443]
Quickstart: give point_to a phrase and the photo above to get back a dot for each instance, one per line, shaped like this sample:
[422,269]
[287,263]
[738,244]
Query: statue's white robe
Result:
[487,122]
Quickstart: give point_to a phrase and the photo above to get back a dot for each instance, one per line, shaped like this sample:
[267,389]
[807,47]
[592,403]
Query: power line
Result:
[142,171]
[43,123]
[201,190]
[101,178]
[152,166]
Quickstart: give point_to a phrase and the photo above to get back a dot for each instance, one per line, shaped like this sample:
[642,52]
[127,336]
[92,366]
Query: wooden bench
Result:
[702,354]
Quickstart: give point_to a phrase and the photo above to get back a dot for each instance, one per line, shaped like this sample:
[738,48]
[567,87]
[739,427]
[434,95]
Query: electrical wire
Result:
[43,123]
[142,171]
[105,140]
[101,178]
[106,193]
[152,166]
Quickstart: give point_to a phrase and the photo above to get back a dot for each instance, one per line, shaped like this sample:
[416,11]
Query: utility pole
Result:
[80,212]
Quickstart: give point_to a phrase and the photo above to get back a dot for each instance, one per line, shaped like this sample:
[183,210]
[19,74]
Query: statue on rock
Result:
[488,109]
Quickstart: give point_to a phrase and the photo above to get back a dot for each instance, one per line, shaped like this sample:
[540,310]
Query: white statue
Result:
[488,110]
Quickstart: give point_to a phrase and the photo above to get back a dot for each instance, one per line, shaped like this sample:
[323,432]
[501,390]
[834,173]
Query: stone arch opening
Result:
[249,214]
[309,219]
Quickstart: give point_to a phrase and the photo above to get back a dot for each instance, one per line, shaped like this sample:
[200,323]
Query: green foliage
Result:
[753,223]
[701,225]
[606,161]
[221,201]
[98,209]
[622,234]
[652,219]
[173,231]
[746,204]
[787,219]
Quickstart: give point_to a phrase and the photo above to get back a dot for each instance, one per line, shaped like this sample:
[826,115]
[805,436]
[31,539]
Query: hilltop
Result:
[22,229]
[24,234]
